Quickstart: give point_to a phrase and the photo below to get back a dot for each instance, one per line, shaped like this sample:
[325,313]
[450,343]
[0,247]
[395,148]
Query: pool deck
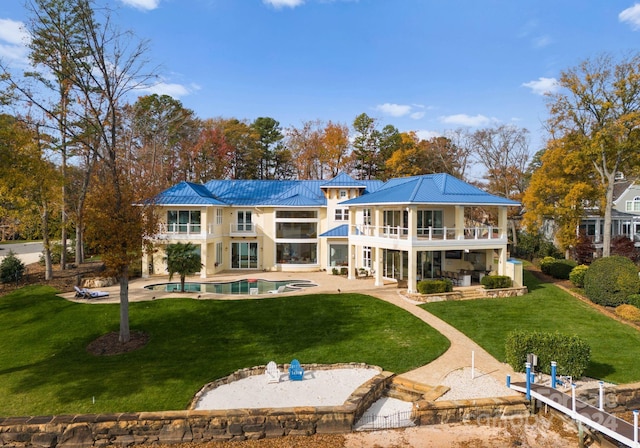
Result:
[326,283]
[458,356]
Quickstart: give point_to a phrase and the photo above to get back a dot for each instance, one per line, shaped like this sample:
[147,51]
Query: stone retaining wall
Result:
[480,410]
[505,292]
[198,426]
[617,399]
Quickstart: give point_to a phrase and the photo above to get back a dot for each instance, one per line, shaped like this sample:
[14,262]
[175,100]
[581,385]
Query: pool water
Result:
[244,286]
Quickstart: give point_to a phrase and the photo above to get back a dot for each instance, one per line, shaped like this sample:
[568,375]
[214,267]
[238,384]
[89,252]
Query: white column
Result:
[377,265]
[203,259]
[411,280]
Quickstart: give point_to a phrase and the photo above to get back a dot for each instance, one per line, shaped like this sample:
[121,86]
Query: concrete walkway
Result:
[456,357]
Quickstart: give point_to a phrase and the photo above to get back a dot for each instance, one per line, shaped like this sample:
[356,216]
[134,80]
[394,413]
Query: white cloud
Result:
[401,110]
[282,3]
[542,85]
[466,120]
[13,41]
[631,16]
[146,5]
[395,110]
[541,41]
[173,90]
[423,134]
[13,32]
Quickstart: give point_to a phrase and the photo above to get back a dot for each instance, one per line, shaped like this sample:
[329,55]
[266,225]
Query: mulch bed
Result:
[109,344]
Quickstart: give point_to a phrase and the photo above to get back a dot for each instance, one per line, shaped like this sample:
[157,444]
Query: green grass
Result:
[615,347]
[45,368]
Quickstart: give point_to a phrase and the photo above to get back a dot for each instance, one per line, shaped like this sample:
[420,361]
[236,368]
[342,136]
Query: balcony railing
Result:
[182,231]
[243,229]
[428,233]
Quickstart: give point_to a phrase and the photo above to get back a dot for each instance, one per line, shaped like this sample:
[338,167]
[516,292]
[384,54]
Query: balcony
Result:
[243,229]
[175,231]
[428,233]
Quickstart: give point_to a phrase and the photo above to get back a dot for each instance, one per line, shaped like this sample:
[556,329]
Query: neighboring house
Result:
[405,229]
[625,215]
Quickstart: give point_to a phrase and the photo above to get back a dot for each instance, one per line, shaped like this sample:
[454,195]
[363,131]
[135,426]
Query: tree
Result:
[11,268]
[306,145]
[29,184]
[559,190]
[182,259]
[56,39]
[504,152]
[366,145]
[269,136]
[598,110]
[108,67]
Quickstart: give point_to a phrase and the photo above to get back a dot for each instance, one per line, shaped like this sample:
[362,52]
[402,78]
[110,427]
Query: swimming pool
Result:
[244,286]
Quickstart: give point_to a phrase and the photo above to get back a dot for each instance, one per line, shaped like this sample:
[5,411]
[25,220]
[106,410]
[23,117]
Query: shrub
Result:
[584,249]
[335,271]
[344,271]
[634,299]
[628,312]
[545,262]
[577,275]
[56,254]
[561,268]
[496,281]
[610,281]
[434,286]
[11,268]
[571,353]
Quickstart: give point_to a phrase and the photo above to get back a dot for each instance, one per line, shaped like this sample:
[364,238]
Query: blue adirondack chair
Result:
[296,372]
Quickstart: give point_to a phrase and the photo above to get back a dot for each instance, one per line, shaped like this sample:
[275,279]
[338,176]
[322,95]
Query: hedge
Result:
[610,281]
[577,275]
[634,299]
[561,268]
[434,286]
[571,353]
[496,281]
[545,262]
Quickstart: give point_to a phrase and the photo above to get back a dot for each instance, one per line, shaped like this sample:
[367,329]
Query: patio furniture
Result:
[296,372]
[272,373]
[88,294]
[279,290]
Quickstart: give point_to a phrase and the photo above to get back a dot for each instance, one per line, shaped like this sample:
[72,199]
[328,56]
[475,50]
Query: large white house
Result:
[405,229]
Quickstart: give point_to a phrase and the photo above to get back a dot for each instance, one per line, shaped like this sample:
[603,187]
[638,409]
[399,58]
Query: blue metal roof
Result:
[186,193]
[340,231]
[427,189]
[343,180]
[430,189]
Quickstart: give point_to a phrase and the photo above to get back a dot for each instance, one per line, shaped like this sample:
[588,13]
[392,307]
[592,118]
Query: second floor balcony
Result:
[429,233]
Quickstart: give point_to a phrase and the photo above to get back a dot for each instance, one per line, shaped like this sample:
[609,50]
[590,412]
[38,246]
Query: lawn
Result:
[45,368]
[615,347]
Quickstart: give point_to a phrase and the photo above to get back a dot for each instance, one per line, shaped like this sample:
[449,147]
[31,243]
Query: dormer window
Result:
[634,205]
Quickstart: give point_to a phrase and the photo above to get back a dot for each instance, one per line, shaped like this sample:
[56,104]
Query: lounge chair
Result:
[88,294]
[296,372]
[272,373]
[279,290]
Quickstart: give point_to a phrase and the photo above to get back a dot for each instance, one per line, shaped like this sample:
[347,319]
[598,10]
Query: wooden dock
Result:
[601,421]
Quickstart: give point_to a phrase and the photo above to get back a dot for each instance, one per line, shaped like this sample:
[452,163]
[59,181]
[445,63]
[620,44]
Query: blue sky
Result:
[421,65]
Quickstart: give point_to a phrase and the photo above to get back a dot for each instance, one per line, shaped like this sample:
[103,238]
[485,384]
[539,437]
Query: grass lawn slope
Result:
[46,369]
[615,347]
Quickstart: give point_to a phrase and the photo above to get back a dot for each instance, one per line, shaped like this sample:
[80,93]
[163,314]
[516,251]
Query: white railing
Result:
[428,233]
[248,228]
[178,231]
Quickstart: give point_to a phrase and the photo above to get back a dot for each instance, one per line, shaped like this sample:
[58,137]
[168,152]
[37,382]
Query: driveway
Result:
[27,252]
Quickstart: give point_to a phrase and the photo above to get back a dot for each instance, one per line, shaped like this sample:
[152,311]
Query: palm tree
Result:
[182,259]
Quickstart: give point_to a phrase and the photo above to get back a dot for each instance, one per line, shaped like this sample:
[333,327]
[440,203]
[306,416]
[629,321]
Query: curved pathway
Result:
[456,357]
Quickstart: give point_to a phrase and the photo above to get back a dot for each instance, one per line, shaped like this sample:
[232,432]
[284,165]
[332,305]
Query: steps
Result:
[470,293]
[411,391]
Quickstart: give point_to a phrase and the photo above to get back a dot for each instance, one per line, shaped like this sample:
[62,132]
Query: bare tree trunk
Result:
[606,232]
[46,244]
[125,334]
